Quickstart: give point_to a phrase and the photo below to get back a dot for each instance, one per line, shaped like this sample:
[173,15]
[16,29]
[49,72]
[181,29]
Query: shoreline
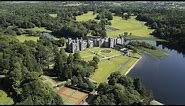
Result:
[155,102]
[133,66]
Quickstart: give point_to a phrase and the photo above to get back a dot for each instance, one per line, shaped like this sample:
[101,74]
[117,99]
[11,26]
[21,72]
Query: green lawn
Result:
[88,55]
[157,52]
[4,100]
[38,29]
[131,25]
[24,37]
[86,17]
[53,15]
[105,68]
[133,60]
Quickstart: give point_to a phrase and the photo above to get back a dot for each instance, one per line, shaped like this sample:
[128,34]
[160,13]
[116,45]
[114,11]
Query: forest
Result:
[24,63]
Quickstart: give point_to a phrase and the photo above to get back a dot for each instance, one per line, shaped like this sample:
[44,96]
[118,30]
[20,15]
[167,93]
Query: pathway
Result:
[96,53]
[110,57]
[105,57]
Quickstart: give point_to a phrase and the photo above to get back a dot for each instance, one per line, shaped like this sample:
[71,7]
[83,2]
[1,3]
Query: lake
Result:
[48,35]
[165,76]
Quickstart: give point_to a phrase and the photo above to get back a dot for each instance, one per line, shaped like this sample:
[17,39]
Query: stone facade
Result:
[80,44]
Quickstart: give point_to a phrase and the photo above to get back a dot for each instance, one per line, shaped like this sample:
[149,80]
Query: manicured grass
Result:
[112,53]
[157,52]
[88,55]
[53,15]
[105,68]
[85,53]
[4,100]
[129,65]
[86,17]
[131,25]
[24,37]
[38,29]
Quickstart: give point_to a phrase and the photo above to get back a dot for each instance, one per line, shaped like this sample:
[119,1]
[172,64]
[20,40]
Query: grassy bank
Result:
[156,53]
[130,64]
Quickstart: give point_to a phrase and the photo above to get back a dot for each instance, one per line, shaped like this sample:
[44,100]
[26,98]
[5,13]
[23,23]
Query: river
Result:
[165,76]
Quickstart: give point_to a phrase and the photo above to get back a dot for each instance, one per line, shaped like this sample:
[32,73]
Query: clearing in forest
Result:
[86,17]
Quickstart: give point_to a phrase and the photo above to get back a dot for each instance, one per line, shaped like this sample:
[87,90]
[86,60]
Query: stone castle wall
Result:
[81,44]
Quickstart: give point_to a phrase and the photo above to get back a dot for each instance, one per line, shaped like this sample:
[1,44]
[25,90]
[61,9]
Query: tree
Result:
[74,80]
[37,93]
[121,93]
[16,76]
[98,17]
[96,59]
[113,78]
[94,64]
[77,56]
[110,17]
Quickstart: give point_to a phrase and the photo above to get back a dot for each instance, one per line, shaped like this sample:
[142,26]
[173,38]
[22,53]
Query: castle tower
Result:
[77,44]
[69,44]
[123,41]
[73,47]
[111,42]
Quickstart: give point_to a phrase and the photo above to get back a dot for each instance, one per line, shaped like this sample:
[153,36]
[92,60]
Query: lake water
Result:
[165,76]
[48,35]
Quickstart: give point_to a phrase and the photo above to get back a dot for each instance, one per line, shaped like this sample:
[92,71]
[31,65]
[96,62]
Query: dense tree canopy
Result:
[122,90]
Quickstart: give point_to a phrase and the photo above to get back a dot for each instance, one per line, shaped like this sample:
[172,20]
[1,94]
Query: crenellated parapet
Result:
[81,44]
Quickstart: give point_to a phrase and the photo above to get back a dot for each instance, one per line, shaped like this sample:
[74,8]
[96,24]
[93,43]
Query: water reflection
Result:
[165,76]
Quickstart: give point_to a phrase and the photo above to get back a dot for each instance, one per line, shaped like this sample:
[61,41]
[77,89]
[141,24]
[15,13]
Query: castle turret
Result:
[111,42]
[77,44]
[68,43]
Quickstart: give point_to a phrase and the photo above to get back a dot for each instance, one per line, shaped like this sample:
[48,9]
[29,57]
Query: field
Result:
[131,25]
[24,37]
[105,68]
[38,29]
[86,17]
[4,100]
[119,26]
[72,96]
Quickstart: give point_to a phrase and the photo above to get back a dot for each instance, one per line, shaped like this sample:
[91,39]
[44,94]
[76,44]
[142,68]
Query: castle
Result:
[81,44]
